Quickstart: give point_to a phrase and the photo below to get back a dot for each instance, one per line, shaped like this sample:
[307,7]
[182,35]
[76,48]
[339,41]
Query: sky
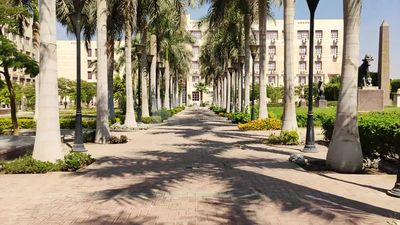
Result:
[373,14]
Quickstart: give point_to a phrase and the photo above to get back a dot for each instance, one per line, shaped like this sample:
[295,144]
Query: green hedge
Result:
[151,120]
[379,132]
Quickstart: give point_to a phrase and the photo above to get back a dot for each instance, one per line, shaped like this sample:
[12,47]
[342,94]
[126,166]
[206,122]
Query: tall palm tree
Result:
[289,110]
[130,120]
[102,127]
[345,154]
[262,26]
[48,142]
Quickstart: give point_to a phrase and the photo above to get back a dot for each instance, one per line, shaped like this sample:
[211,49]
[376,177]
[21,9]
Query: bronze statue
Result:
[363,70]
[321,90]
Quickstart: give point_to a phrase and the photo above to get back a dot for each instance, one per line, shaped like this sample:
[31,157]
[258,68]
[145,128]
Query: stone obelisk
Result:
[383,64]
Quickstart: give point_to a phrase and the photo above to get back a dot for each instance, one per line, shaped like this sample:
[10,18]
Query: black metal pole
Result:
[78,142]
[395,192]
[310,136]
[253,92]
[157,78]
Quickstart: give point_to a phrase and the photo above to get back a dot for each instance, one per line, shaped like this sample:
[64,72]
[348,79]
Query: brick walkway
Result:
[196,169]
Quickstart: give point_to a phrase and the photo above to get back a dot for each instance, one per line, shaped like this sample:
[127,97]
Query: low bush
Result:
[118,140]
[379,132]
[27,164]
[151,120]
[285,138]
[262,124]
[240,117]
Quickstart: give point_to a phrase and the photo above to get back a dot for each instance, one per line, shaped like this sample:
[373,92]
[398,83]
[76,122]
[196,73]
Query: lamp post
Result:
[395,191]
[161,68]
[310,142]
[139,52]
[253,50]
[242,58]
[76,18]
[149,59]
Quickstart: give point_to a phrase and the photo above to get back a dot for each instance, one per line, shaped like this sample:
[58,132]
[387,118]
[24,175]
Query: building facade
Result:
[327,53]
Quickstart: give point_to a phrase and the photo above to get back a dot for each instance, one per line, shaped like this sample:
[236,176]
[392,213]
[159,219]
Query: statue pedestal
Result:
[322,103]
[302,103]
[370,99]
[396,98]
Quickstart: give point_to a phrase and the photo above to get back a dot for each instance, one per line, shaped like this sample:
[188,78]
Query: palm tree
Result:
[48,142]
[289,110]
[130,120]
[102,127]
[262,26]
[345,154]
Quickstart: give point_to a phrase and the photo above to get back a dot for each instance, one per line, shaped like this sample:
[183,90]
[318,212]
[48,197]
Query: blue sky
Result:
[373,13]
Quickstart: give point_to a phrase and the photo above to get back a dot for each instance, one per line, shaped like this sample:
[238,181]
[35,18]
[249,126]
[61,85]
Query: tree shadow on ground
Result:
[163,170]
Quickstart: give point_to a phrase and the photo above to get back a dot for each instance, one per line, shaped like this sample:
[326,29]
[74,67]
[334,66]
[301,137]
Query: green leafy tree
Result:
[88,92]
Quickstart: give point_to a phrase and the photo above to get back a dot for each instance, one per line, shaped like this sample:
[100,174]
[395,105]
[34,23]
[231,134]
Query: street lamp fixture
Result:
[76,18]
[254,51]
[310,136]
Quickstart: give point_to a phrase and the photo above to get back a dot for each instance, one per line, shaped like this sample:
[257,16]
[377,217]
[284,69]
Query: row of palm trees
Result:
[155,26]
[230,23]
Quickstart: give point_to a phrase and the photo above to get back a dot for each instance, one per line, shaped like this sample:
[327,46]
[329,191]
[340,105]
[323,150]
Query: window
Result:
[271,80]
[195,96]
[273,34]
[334,50]
[27,40]
[271,65]
[318,78]
[95,52]
[318,34]
[318,50]
[89,53]
[89,63]
[318,65]
[272,50]
[196,34]
[89,75]
[256,35]
[195,50]
[302,34]
[256,67]
[303,50]
[195,65]
[302,66]
[334,34]
[302,80]
[195,79]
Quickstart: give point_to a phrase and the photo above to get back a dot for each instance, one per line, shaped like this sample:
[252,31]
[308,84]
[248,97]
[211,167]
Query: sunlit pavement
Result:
[196,169]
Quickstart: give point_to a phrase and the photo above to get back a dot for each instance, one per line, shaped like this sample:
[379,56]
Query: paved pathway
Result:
[196,169]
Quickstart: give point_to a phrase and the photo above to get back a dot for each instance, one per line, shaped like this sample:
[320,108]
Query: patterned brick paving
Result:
[196,169]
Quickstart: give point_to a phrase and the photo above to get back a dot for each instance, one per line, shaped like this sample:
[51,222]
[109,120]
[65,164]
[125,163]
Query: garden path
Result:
[196,169]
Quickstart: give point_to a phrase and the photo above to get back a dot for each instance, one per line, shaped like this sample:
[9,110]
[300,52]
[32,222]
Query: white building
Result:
[327,53]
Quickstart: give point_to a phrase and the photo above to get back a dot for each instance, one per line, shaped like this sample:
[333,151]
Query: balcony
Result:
[319,41]
[319,56]
[304,41]
[273,41]
[302,57]
[335,41]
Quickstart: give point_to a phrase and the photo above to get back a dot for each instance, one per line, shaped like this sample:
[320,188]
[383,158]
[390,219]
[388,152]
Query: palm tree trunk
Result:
[228,92]
[176,90]
[262,8]
[102,128]
[233,83]
[145,72]
[166,82]
[153,71]
[48,137]
[344,154]
[225,92]
[247,26]
[130,120]
[110,75]
[289,111]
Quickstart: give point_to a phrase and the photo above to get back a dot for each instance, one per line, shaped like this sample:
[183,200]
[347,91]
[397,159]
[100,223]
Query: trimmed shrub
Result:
[379,132]
[151,120]
[76,160]
[118,140]
[262,124]
[26,164]
[285,138]
[240,117]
